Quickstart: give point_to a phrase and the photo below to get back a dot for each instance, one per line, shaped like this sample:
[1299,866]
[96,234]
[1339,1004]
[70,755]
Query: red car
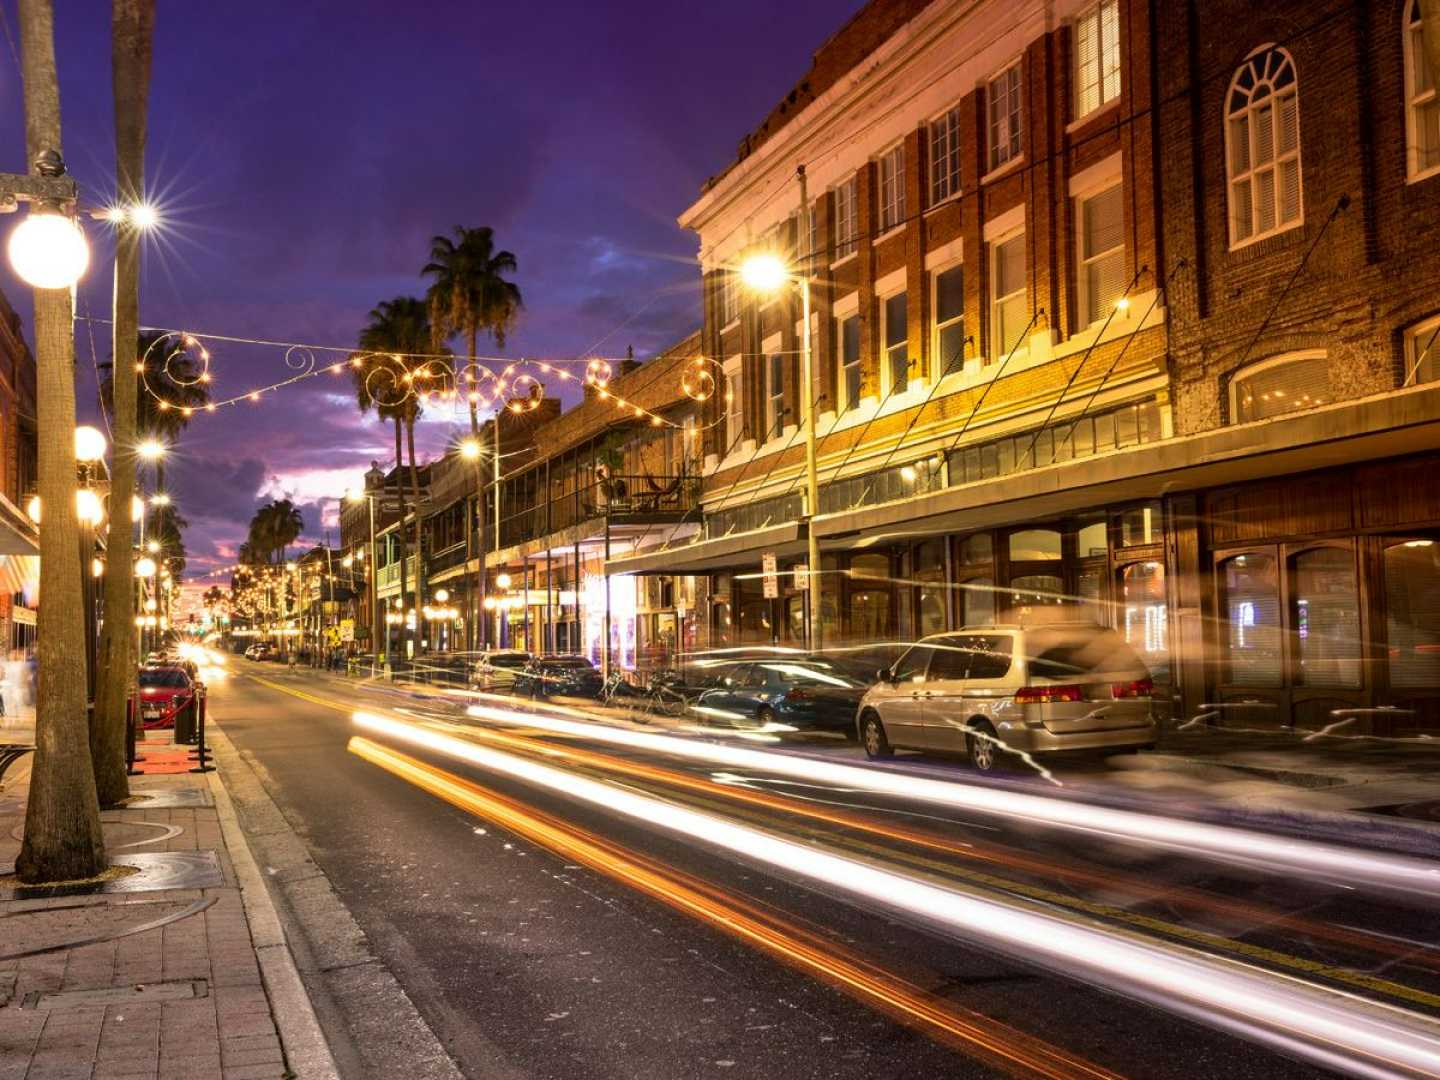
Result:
[164,691]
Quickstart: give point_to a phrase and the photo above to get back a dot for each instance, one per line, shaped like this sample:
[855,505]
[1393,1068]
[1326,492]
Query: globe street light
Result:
[90,445]
[145,567]
[48,250]
[88,507]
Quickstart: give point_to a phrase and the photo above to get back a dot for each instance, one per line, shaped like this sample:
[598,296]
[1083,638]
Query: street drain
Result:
[142,994]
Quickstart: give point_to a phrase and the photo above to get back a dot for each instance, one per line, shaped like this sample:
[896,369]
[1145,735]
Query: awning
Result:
[702,556]
[1385,425]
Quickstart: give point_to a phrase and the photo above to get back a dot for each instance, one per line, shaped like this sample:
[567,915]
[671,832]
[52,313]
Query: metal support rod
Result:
[374,592]
[605,654]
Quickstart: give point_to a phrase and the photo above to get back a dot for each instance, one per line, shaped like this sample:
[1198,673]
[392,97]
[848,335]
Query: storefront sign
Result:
[24,616]
[347,629]
[771,575]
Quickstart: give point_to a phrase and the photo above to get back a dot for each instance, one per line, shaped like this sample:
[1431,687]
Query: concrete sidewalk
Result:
[177,971]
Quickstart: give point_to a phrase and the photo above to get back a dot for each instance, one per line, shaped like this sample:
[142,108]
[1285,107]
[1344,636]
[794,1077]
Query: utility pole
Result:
[62,818]
[807,400]
[132,25]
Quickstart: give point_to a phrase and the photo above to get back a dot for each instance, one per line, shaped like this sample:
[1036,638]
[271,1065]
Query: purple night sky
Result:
[303,154]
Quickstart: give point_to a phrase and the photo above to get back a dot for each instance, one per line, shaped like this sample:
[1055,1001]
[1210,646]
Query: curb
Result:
[306,1051]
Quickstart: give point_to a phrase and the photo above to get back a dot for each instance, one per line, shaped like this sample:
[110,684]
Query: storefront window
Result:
[1090,539]
[1326,618]
[977,602]
[1090,588]
[930,595]
[870,614]
[1034,545]
[976,549]
[1143,616]
[1037,589]
[1140,525]
[795,619]
[1250,605]
[1412,614]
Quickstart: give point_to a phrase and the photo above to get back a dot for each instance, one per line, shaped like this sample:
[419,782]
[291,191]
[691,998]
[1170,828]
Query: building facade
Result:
[19,537]
[1102,314]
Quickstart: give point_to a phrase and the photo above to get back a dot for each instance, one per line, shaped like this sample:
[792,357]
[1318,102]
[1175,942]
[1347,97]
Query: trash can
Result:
[185,722]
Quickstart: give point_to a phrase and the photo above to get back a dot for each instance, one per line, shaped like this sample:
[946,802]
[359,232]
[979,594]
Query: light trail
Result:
[1006,1047]
[1324,862]
[1326,1027]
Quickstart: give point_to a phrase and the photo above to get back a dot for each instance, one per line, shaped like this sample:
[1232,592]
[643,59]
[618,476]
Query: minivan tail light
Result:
[1045,695]
[1138,688]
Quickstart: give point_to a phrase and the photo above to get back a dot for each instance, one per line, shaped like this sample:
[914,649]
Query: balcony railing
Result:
[621,498]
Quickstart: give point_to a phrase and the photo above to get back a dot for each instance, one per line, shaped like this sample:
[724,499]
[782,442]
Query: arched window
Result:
[1262,147]
[1422,104]
[1282,384]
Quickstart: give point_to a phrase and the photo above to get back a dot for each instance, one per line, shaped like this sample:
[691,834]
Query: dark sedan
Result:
[567,676]
[809,695]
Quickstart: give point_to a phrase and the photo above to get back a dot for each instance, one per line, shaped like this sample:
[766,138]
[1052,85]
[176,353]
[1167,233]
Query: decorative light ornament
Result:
[48,250]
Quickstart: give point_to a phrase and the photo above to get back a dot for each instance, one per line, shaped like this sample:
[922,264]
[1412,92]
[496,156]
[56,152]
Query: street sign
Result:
[347,629]
[802,576]
[771,571]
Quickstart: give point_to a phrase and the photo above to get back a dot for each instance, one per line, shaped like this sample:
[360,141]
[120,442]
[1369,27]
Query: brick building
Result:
[19,538]
[1093,299]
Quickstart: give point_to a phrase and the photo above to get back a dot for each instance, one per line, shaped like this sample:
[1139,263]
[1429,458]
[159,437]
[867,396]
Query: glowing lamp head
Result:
[160,500]
[1122,305]
[441,595]
[89,443]
[764,273]
[144,216]
[151,449]
[503,581]
[97,568]
[153,547]
[89,507]
[489,603]
[137,508]
[470,449]
[48,250]
[145,567]
[355,495]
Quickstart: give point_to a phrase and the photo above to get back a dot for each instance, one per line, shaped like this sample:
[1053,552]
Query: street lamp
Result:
[355,495]
[151,449]
[766,273]
[48,250]
[89,444]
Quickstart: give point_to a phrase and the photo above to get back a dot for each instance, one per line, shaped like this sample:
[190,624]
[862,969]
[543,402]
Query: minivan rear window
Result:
[1072,656]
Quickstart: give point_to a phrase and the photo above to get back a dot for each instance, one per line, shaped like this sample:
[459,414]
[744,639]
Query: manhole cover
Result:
[157,870]
[166,800]
[145,994]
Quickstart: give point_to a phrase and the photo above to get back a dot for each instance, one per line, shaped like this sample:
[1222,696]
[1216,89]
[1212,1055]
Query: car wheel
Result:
[873,738]
[981,747]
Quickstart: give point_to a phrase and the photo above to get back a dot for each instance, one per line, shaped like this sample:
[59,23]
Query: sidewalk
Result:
[174,972]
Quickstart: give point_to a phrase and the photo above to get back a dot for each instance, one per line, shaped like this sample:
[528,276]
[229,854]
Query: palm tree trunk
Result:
[62,817]
[477,591]
[400,532]
[132,25]
[419,544]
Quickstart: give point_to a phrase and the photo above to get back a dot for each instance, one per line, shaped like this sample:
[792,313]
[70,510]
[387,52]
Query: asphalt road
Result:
[544,935]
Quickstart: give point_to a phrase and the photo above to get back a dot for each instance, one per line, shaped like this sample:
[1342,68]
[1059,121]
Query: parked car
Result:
[495,669]
[806,693]
[572,676]
[164,693]
[1036,686]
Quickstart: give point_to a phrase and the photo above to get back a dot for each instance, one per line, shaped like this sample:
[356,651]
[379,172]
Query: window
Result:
[1279,386]
[848,337]
[811,233]
[1028,545]
[1101,227]
[1251,609]
[729,301]
[1326,617]
[1262,145]
[897,342]
[1422,107]
[976,549]
[847,219]
[911,667]
[1007,292]
[930,598]
[1037,589]
[1422,353]
[774,394]
[1141,525]
[892,188]
[1143,615]
[989,656]
[1097,58]
[948,303]
[1002,99]
[977,601]
[945,157]
[1090,539]
[1412,613]
[734,402]
[951,660]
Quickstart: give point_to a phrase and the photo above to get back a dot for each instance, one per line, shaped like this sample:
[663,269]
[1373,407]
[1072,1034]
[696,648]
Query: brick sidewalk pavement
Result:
[185,1001]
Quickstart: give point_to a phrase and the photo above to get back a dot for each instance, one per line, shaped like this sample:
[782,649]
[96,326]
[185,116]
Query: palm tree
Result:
[394,345]
[273,528]
[470,293]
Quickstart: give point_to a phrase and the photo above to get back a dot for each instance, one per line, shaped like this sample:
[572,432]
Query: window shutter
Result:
[1289,135]
[1289,190]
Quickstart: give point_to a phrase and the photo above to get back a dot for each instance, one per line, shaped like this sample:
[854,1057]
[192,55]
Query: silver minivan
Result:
[1028,687]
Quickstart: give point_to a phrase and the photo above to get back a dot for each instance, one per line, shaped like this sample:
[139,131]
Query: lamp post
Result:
[355,495]
[471,450]
[766,273]
[90,448]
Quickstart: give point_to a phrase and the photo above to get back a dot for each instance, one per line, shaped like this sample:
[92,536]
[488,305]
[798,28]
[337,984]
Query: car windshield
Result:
[164,678]
[1070,655]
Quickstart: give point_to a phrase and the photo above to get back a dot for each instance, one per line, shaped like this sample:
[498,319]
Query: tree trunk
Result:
[62,818]
[132,25]
[419,543]
[478,587]
[400,532]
